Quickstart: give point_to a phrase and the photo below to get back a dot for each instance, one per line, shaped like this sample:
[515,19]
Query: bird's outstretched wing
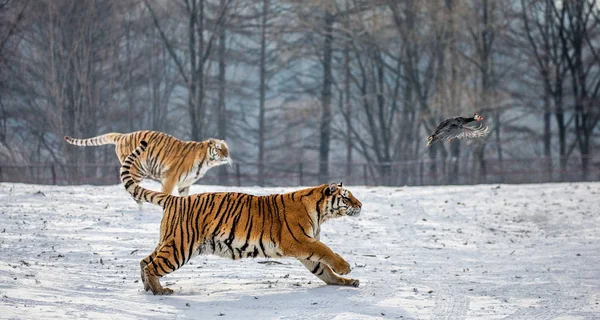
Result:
[472,132]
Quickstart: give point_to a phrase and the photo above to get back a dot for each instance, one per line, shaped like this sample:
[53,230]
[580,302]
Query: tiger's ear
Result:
[211,142]
[331,189]
[340,185]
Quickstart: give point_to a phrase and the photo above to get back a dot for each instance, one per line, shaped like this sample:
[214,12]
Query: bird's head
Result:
[477,117]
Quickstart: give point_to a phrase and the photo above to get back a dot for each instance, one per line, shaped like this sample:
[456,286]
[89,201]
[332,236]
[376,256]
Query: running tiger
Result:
[237,225]
[169,160]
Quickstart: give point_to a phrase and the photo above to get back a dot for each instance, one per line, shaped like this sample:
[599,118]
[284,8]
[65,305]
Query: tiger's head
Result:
[340,202]
[218,152]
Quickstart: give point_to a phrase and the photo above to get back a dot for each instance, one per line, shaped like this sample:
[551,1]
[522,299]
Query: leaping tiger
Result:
[169,160]
[238,225]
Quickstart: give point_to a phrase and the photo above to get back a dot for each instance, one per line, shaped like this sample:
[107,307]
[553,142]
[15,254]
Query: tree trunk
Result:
[455,103]
[486,79]
[262,92]
[222,111]
[130,90]
[499,144]
[193,80]
[326,100]
[199,99]
[348,108]
[562,140]
[547,138]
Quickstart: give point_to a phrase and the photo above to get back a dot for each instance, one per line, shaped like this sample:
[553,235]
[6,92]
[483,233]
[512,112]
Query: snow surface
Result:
[454,252]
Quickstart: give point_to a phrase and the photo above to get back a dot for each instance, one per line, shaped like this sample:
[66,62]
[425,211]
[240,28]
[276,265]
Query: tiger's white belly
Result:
[238,249]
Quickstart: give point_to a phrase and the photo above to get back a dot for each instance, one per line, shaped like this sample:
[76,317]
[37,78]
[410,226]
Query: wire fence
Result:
[413,173]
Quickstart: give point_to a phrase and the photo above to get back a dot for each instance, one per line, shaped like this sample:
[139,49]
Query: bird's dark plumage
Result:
[456,128]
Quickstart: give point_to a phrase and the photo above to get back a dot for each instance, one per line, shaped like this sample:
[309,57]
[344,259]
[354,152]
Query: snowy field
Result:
[472,252]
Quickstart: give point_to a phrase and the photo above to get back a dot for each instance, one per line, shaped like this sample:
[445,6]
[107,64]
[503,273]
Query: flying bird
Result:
[456,128]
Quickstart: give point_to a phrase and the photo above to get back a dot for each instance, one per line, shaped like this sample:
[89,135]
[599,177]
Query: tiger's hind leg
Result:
[168,185]
[165,261]
[143,263]
[324,272]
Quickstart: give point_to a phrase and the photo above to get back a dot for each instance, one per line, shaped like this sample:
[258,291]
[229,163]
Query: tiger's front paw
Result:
[353,282]
[341,266]
[162,291]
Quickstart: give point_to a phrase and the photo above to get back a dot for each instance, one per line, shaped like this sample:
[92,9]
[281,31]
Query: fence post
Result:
[421,171]
[53,174]
[238,175]
[365,174]
[448,168]
[300,172]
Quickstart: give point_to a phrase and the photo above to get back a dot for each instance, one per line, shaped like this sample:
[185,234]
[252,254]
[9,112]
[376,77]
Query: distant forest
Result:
[305,92]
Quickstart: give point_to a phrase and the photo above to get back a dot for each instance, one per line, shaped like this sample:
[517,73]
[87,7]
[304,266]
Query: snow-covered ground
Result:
[468,252]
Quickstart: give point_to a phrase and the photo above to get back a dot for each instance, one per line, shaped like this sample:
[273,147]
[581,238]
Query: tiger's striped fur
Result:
[169,160]
[237,225]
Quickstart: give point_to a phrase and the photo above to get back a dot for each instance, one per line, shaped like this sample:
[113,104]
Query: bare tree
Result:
[578,34]
[540,27]
[67,80]
[11,16]
[420,61]
[485,32]
[296,87]
[326,116]
[222,84]
[198,53]
[262,92]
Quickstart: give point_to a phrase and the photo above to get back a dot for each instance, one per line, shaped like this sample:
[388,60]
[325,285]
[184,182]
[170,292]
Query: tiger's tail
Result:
[109,138]
[137,191]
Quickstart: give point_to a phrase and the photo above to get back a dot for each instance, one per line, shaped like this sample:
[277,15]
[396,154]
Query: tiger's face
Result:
[218,152]
[340,202]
